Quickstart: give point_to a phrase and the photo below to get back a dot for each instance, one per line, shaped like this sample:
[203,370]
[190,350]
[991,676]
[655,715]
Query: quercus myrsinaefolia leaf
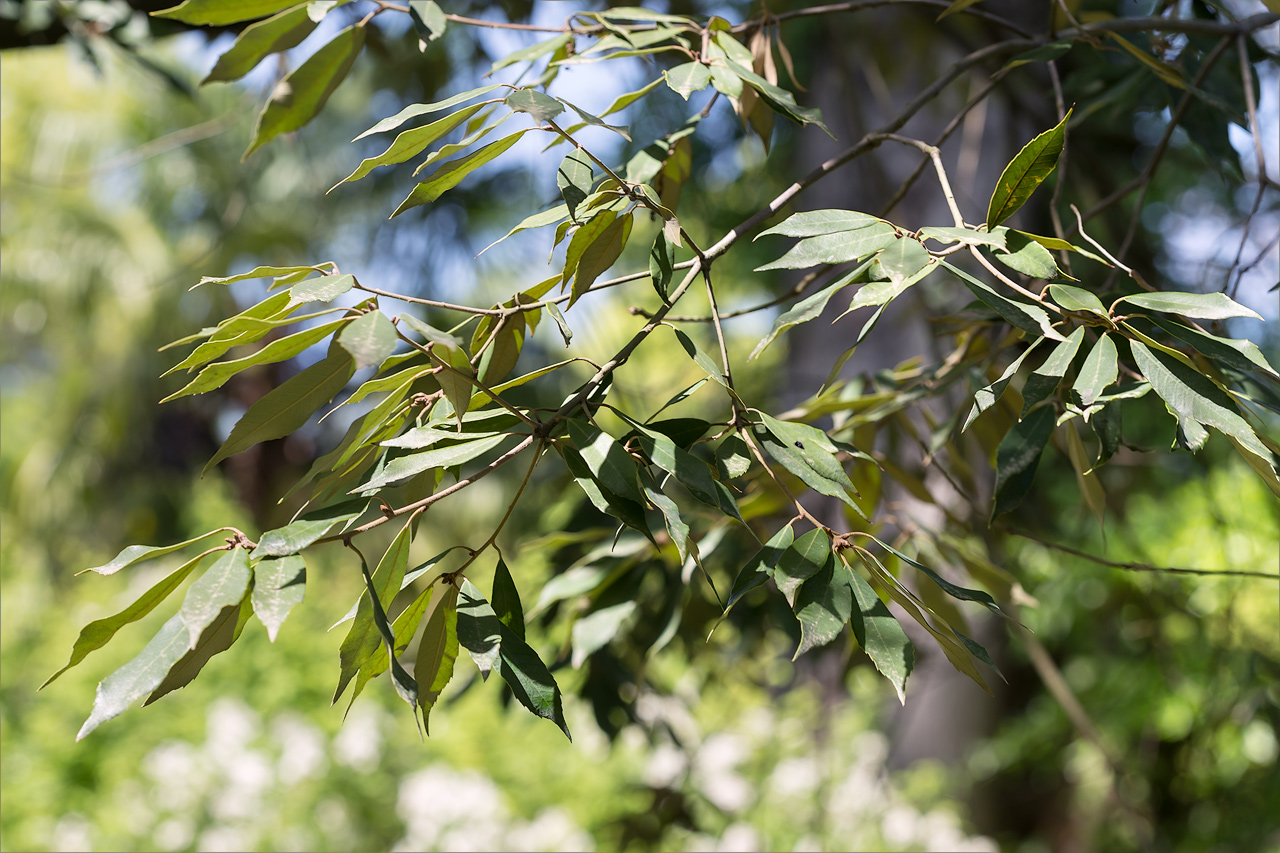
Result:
[674,493]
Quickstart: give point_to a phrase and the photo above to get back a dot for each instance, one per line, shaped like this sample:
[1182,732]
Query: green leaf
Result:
[456,383]
[532,52]
[662,263]
[1204,306]
[99,632]
[734,457]
[244,328]
[216,375]
[1196,402]
[675,525]
[815,223]
[326,288]
[688,78]
[1106,425]
[575,178]
[561,323]
[595,630]
[883,292]
[362,639]
[217,638]
[283,410]
[810,308]
[257,41]
[1021,315]
[880,635]
[1046,53]
[779,99]
[692,472]
[428,18]
[987,396]
[530,680]
[967,236]
[430,333]
[584,237]
[807,556]
[298,98]
[1044,381]
[420,438]
[1077,299]
[401,469]
[506,599]
[218,13]
[700,358]
[823,605]
[542,107]
[405,583]
[410,143]
[808,453]
[138,553]
[1034,163]
[452,173]
[479,630]
[279,584]
[957,6]
[958,592]
[1240,354]
[403,629]
[759,568]
[596,121]
[258,272]
[1100,369]
[1028,257]
[139,676]
[903,259]
[415,110]
[1086,477]
[292,538]
[835,248]
[437,650]
[605,458]
[1056,245]
[1017,458]
[600,254]
[369,338]
[222,585]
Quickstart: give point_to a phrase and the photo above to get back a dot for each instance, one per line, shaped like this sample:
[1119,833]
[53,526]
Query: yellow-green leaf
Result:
[1026,172]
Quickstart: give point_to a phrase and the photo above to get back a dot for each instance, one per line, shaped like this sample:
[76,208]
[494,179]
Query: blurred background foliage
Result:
[122,185]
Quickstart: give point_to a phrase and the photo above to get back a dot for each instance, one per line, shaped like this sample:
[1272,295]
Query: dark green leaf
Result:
[1044,381]
[1033,164]
[257,41]
[298,98]
[1240,354]
[807,309]
[479,630]
[958,592]
[362,639]
[880,635]
[575,178]
[808,453]
[139,676]
[675,525]
[986,397]
[807,556]
[760,567]
[1047,53]
[452,173]
[823,605]
[1107,426]
[222,585]
[1022,315]
[428,18]
[734,457]
[1100,369]
[605,458]
[437,650]
[601,254]
[217,13]
[283,410]
[700,358]
[561,323]
[1205,306]
[779,99]
[278,585]
[662,261]
[1017,458]
[835,248]
[506,599]
[541,107]
[584,237]
[530,680]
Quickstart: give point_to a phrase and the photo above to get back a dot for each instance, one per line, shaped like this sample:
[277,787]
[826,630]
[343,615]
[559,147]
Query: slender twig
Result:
[799,289]
[935,155]
[474,380]
[432,303]
[1142,567]
[750,441]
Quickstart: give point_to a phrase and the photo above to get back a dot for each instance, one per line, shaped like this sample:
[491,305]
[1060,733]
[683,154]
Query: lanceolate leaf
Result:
[1034,163]
[99,632]
[1204,306]
[1094,497]
[815,223]
[479,630]
[401,469]
[257,41]
[903,259]
[437,650]
[529,679]
[293,537]
[215,375]
[823,605]
[584,237]
[541,107]
[1077,299]
[1028,257]
[369,338]
[139,676]
[880,635]
[415,110]
[283,410]
[222,585]
[606,459]
[323,289]
[1101,368]
[363,638]
[835,248]
[219,636]
[1018,456]
[1023,315]
[1046,377]
[219,13]
[688,78]
[452,173]
[987,397]
[662,261]
[967,236]
[807,556]
[410,143]
[532,52]
[600,255]
[807,309]
[759,568]
[575,178]
[808,453]
[137,553]
[506,599]
[1240,354]
[299,97]
[278,585]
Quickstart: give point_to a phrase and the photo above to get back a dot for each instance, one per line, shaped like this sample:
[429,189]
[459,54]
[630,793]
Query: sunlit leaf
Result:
[1033,164]
[257,41]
